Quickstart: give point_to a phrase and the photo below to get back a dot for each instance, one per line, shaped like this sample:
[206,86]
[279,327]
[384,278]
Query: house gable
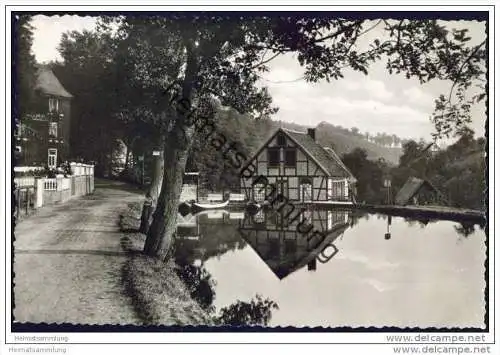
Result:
[260,158]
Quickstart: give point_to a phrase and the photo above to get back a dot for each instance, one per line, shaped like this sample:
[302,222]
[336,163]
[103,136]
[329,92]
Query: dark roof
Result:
[294,261]
[48,83]
[411,188]
[326,158]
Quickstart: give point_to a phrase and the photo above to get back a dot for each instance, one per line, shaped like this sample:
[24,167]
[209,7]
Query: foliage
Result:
[246,132]
[370,175]
[256,312]
[25,63]
[89,73]
[232,52]
[199,283]
[457,171]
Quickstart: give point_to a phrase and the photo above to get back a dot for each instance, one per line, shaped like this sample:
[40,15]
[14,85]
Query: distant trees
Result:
[457,171]
[370,175]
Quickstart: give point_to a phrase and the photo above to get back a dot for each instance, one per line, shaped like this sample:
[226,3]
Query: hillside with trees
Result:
[343,140]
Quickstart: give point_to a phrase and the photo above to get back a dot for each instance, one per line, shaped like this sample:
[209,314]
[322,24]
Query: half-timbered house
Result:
[298,167]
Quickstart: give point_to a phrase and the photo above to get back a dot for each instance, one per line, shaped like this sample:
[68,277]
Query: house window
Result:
[53,129]
[273,156]
[305,189]
[53,105]
[52,159]
[290,158]
[281,139]
[339,190]
[259,192]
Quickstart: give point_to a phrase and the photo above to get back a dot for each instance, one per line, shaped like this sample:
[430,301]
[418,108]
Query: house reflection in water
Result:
[274,237]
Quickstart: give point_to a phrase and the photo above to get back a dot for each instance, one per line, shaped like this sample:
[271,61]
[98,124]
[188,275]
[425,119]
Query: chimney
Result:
[311,132]
[311,266]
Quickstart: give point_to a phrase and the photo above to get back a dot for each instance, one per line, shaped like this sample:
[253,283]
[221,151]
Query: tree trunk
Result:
[176,149]
[127,153]
[160,233]
[153,193]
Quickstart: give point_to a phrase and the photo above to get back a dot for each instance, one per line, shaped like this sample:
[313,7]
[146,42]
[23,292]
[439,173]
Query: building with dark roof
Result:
[298,167]
[417,191]
[42,135]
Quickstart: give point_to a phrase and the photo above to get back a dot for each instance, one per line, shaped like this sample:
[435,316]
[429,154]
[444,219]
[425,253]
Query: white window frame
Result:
[259,192]
[53,104]
[52,158]
[53,129]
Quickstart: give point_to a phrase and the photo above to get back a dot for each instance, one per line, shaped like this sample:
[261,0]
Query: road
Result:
[68,261]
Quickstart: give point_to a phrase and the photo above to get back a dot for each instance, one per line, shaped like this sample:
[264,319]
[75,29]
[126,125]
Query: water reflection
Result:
[264,270]
[287,246]
[465,229]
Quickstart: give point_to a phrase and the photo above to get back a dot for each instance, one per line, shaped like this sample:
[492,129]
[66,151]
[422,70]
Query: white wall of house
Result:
[338,189]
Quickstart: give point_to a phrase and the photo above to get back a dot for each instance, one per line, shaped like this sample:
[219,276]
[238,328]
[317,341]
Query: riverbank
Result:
[417,212]
[158,295]
[430,212]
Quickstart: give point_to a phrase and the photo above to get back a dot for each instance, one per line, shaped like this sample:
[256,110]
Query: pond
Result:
[364,270]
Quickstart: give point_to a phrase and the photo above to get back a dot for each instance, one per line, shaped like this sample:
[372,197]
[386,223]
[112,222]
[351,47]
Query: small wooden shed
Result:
[419,192]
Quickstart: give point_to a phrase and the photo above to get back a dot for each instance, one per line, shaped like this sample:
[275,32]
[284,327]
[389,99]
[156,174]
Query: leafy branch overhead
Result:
[231,53]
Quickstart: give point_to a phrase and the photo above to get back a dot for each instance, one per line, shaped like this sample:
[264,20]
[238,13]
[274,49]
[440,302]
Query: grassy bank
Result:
[159,296]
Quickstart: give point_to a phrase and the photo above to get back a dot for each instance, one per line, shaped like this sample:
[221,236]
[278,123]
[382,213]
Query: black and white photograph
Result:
[215,171]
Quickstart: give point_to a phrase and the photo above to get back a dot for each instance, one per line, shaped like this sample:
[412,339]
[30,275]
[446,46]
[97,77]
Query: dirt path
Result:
[68,261]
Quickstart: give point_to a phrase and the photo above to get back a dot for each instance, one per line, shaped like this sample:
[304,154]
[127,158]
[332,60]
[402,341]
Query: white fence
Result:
[65,184]
[25,181]
[49,184]
[23,169]
[59,189]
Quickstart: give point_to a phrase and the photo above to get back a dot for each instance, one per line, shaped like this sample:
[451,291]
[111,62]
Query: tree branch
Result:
[265,61]
[339,32]
[462,67]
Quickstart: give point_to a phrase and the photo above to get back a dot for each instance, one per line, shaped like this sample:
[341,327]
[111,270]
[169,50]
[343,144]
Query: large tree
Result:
[89,72]
[222,56]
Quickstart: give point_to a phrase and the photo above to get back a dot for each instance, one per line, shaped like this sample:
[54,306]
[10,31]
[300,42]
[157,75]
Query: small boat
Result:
[211,214]
[196,206]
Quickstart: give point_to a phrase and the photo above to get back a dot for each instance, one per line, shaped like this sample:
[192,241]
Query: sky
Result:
[377,102]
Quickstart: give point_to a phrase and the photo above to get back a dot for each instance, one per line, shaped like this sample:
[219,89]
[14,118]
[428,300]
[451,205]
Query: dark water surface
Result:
[387,271]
